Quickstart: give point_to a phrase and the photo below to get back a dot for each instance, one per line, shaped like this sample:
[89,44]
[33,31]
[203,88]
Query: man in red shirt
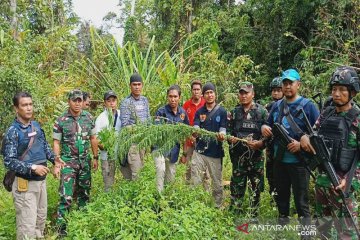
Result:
[191,106]
[195,102]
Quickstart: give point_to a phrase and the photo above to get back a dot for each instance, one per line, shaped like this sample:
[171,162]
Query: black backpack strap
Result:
[280,105]
[212,113]
[290,120]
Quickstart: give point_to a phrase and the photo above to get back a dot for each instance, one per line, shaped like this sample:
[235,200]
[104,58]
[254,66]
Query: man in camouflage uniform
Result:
[276,94]
[339,125]
[74,133]
[247,158]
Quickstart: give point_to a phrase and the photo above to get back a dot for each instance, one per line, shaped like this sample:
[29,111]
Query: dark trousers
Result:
[270,175]
[292,176]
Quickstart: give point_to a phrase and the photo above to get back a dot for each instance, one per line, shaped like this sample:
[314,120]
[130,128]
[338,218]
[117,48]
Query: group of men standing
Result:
[248,128]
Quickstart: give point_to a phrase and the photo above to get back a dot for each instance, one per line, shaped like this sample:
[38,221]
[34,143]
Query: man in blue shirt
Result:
[133,109]
[26,152]
[171,113]
[289,172]
[208,154]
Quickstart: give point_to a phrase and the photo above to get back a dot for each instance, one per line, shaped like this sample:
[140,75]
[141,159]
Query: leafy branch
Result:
[163,136]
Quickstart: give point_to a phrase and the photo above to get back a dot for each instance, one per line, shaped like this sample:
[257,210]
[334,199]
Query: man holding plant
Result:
[247,159]
[208,154]
[171,113]
[133,109]
[109,119]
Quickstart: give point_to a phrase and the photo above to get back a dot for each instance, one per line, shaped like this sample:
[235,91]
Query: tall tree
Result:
[13,23]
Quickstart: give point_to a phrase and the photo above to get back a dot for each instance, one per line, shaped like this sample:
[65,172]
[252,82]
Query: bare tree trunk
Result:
[190,17]
[132,8]
[13,23]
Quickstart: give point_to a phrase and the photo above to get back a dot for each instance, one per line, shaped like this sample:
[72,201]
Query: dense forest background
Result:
[47,50]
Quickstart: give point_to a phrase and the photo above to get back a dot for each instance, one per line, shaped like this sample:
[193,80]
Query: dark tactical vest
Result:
[244,127]
[36,154]
[335,130]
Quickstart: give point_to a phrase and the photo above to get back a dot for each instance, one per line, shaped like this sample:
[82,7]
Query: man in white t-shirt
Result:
[103,121]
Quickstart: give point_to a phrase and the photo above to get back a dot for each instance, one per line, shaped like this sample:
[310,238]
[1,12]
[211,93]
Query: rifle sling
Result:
[290,119]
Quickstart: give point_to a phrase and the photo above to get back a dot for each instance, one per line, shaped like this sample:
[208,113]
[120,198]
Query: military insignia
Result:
[182,116]
[202,117]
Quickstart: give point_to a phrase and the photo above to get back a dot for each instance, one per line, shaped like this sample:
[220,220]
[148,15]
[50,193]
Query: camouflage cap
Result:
[246,86]
[75,94]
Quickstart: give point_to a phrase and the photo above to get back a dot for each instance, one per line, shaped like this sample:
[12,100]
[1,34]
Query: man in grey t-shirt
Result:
[134,108]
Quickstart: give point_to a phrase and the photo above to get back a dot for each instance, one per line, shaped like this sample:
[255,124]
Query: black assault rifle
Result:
[322,158]
[283,135]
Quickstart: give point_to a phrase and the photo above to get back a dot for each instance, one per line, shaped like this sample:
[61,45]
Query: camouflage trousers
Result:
[75,177]
[330,210]
[244,170]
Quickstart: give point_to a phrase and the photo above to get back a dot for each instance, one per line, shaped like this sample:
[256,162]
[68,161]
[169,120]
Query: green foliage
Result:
[112,65]
[107,137]
[167,42]
[136,210]
[162,136]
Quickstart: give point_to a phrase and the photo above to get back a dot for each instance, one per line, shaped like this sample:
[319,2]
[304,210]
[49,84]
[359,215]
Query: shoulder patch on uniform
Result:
[182,116]
[218,118]
[202,117]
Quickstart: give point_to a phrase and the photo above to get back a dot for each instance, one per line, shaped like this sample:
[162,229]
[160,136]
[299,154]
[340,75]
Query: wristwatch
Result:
[96,157]
[33,167]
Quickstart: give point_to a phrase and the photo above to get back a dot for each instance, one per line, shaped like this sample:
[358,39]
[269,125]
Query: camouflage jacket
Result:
[74,135]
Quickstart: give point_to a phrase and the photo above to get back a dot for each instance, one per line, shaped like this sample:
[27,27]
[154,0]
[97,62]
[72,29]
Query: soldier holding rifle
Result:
[336,145]
[289,171]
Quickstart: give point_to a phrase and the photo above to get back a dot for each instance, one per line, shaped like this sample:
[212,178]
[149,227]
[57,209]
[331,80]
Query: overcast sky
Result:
[95,10]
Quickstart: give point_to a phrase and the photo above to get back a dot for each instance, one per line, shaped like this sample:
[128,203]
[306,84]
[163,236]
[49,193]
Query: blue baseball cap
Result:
[290,74]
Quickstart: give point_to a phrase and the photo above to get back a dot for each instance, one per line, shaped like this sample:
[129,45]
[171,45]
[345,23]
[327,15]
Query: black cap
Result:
[108,94]
[135,78]
[208,86]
